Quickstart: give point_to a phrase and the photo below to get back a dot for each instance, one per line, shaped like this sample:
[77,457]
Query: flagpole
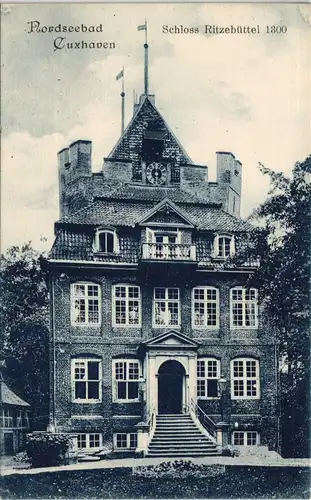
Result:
[146,76]
[122,103]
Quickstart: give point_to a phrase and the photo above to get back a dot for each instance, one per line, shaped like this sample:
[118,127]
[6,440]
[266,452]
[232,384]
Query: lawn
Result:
[236,482]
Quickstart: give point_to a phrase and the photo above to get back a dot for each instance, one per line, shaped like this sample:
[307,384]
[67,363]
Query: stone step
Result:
[183,454]
[177,425]
[176,417]
[176,447]
[187,439]
[183,441]
[180,435]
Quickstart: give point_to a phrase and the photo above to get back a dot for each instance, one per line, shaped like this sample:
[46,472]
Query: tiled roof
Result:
[143,193]
[9,397]
[127,213]
[77,244]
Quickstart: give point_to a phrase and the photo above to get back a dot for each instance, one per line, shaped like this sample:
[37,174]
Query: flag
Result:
[120,75]
[142,27]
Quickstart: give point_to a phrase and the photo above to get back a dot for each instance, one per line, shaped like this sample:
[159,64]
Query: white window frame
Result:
[206,378]
[7,418]
[128,441]
[88,446]
[244,434]
[152,233]
[245,303]
[85,361]
[87,299]
[166,301]
[222,255]
[127,379]
[205,302]
[244,378]
[100,231]
[127,299]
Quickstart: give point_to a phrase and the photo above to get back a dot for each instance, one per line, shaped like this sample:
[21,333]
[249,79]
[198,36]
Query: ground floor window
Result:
[245,438]
[125,441]
[89,441]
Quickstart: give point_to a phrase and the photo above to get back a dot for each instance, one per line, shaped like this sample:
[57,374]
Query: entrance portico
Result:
[170,373]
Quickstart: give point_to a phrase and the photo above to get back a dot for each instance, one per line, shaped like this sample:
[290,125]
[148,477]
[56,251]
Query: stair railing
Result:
[151,423]
[206,422]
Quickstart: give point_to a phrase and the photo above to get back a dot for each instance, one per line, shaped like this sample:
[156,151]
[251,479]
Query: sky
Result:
[249,94]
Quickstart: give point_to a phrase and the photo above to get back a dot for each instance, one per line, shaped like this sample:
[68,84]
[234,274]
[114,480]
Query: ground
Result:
[114,479]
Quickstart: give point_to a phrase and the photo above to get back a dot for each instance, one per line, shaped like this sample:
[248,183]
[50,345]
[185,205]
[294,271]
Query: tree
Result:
[281,242]
[24,311]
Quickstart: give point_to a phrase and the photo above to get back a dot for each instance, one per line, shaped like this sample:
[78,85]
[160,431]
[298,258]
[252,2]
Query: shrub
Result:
[21,457]
[46,449]
[229,451]
[178,468]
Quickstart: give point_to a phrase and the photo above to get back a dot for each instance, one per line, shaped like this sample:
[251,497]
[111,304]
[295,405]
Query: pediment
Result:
[166,212]
[171,339]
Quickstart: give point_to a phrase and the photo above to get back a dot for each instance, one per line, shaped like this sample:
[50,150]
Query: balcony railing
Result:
[168,251]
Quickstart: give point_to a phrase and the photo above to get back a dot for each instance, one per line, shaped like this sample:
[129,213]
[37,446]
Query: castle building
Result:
[156,345]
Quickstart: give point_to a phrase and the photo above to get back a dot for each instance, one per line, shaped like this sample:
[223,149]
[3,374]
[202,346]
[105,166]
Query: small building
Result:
[14,422]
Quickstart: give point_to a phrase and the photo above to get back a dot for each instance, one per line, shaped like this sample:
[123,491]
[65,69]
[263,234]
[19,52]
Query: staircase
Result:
[178,436]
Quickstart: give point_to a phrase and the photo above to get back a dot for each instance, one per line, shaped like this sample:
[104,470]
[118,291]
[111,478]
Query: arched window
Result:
[224,246]
[208,373]
[243,307]
[85,304]
[245,379]
[106,241]
[205,307]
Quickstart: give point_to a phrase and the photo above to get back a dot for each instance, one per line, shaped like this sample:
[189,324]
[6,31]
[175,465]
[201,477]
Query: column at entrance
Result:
[170,370]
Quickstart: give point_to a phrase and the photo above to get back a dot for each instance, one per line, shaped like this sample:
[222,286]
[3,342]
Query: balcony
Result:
[168,252]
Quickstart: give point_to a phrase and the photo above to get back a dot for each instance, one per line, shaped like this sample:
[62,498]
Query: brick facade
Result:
[196,211]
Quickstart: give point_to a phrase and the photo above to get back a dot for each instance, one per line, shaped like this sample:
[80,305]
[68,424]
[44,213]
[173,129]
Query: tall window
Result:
[126,305]
[126,376]
[243,308]
[245,378]
[125,441]
[86,380]
[208,373]
[205,307]
[85,304]
[166,310]
[89,441]
[106,241]
[245,438]
[224,246]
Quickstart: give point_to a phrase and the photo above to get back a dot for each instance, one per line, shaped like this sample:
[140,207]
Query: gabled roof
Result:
[145,106]
[171,339]
[10,398]
[169,206]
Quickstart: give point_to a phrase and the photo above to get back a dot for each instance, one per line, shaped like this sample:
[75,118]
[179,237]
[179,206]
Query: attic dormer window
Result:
[224,246]
[106,241]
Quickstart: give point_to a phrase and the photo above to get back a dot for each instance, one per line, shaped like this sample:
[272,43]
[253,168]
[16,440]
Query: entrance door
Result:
[170,387]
